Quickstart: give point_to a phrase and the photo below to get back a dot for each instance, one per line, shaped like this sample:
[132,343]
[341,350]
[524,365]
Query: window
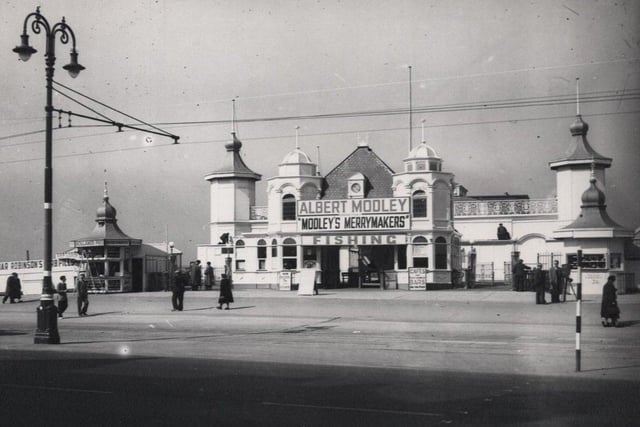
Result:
[289,208]
[419,207]
[289,254]
[420,252]
[441,253]
[615,261]
[598,261]
[274,248]
[240,255]
[421,165]
[262,254]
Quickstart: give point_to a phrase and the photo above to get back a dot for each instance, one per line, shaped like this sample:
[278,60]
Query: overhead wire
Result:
[212,141]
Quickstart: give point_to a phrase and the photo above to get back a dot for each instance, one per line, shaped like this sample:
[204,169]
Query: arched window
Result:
[289,207]
[441,253]
[420,252]
[419,201]
[289,254]
[240,255]
[262,254]
[274,248]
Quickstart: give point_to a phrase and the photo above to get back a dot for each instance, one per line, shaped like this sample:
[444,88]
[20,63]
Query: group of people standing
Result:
[82,292]
[555,282]
[180,282]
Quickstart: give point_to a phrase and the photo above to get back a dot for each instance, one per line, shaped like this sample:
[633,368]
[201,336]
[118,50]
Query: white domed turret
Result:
[296,156]
[295,163]
[423,158]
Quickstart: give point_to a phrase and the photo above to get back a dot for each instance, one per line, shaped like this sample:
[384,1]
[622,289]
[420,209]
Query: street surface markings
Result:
[345,408]
[74,390]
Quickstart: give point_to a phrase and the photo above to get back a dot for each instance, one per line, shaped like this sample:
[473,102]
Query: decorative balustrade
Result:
[466,208]
[259,213]
[463,208]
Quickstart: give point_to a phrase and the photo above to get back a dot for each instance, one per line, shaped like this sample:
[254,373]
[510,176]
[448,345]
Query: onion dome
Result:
[106,211]
[232,164]
[579,127]
[579,152]
[593,196]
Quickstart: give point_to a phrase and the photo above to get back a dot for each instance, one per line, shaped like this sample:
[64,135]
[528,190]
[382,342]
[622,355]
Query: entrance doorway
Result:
[330,264]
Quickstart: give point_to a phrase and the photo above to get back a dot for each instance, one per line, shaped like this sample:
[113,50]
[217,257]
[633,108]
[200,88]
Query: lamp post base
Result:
[47,330]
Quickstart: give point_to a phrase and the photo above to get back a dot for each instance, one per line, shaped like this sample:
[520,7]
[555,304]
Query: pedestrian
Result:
[555,281]
[609,310]
[196,275]
[208,276]
[82,289]
[63,302]
[519,273]
[13,289]
[539,284]
[226,296]
[177,289]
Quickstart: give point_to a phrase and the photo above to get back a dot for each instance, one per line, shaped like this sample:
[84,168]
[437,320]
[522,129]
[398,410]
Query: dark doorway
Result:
[136,274]
[330,266]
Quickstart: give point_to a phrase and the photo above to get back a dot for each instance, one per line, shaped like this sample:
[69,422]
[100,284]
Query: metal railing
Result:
[466,208]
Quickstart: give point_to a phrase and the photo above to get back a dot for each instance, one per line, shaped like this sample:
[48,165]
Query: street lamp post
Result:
[47,329]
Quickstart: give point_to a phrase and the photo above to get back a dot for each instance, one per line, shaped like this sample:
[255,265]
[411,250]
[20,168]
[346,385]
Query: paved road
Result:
[359,358]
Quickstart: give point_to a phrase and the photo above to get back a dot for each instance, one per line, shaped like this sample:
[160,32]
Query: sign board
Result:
[391,213]
[417,279]
[285,281]
[307,278]
[354,239]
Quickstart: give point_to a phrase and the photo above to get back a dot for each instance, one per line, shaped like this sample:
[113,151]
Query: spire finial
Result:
[592,178]
[410,110]
[422,121]
[233,116]
[106,191]
[577,96]
[297,142]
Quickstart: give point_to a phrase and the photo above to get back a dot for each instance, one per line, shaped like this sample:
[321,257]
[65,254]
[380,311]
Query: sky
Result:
[178,64]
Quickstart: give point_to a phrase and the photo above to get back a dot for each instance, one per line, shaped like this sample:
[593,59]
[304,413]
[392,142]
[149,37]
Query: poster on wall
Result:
[285,281]
[417,279]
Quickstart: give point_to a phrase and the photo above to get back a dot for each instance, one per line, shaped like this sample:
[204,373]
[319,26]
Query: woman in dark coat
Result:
[609,310]
[226,296]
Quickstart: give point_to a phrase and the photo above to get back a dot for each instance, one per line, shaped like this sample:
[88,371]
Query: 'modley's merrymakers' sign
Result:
[353,214]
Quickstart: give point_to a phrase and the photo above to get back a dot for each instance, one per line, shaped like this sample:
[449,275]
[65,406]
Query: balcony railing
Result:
[467,208]
[464,208]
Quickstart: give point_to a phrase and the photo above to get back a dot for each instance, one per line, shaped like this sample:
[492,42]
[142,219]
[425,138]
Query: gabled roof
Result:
[379,176]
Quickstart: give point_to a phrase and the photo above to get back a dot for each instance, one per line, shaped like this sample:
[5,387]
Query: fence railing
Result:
[464,208]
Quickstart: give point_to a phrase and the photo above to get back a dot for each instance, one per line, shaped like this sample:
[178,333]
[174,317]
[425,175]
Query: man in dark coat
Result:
[555,280]
[82,289]
[61,290]
[519,272]
[609,309]
[226,295]
[196,275]
[177,289]
[13,290]
[539,282]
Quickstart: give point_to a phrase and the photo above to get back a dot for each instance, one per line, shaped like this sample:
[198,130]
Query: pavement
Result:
[491,330]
